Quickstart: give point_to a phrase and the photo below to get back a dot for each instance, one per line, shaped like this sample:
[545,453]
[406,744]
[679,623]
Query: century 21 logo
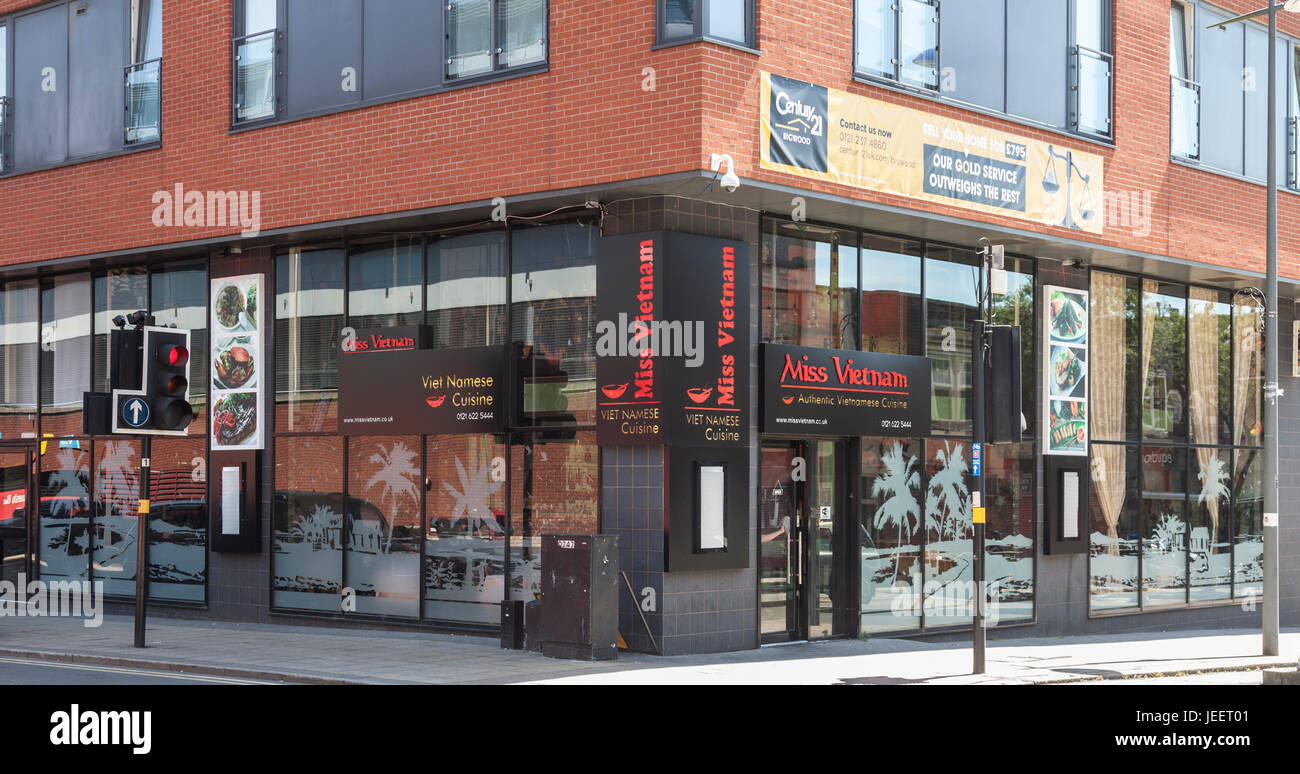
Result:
[785,106]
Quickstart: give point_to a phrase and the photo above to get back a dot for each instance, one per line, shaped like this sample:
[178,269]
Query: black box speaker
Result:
[580,596]
[1003,385]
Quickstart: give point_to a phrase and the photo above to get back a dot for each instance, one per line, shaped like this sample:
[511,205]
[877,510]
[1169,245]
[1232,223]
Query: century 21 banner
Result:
[834,136]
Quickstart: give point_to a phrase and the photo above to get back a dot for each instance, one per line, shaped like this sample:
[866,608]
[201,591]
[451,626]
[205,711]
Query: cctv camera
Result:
[730,180]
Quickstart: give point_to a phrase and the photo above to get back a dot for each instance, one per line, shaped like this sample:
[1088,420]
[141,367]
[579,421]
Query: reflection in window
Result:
[890,523]
[1009,533]
[307,524]
[1016,307]
[116,523]
[19,330]
[1209,350]
[1248,533]
[899,40]
[180,298]
[1114,542]
[678,18]
[553,291]
[948,549]
[554,489]
[464,545]
[384,284]
[178,518]
[1114,382]
[65,539]
[469,37]
[383,524]
[1164,531]
[308,323]
[810,286]
[952,280]
[1248,371]
[65,352]
[891,295]
[521,30]
[1164,361]
[1209,542]
[466,291]
[120,292]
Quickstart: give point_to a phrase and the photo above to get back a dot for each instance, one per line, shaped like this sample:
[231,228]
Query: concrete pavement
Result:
[308,654]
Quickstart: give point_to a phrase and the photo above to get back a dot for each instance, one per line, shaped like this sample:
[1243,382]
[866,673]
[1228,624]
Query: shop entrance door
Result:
[17,517]
[802,497]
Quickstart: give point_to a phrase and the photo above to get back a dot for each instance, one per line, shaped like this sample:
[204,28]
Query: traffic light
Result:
[167,383]
[150,381]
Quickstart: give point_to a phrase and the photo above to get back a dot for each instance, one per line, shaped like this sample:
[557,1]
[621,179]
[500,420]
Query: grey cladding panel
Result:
[402,46]
[1037,44]
[971,42]
[97,52]
[321,40]
[1219,67]
[40,104]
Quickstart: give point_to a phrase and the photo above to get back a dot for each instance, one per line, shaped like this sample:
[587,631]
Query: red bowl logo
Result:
[700,394]
[614,391]
[435,401]
[788,401]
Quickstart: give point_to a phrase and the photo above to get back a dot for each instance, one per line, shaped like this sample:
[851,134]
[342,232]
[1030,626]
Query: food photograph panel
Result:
[237,387]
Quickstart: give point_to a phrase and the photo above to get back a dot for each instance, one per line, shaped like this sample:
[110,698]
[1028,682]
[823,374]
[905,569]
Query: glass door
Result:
[802,496]
[781,511]
[15,501]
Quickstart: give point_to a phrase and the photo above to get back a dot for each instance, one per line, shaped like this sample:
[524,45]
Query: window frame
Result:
[1075,52]
[278,80]
[897,57]
[701,33]
[6,72]
[497,71]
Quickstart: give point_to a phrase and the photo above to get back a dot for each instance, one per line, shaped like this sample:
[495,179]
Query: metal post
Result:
[142,542]
[1271,588]
[977,493]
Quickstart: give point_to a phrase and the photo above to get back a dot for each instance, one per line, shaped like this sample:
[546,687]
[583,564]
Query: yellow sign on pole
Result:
[978,517]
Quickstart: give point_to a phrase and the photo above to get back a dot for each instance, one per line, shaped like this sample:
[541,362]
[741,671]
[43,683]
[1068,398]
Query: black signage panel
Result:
[809,391]
[672,340]
[433,391]
[708,283]
[629,290]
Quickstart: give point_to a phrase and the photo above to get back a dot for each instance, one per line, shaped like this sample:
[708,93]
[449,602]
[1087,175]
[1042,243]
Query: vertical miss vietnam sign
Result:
[1065,354]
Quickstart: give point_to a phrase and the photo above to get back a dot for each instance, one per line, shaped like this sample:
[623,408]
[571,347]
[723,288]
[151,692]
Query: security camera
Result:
[729,181]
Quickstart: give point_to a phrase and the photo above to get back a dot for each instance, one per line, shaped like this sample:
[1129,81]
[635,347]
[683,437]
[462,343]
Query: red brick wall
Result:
[586,121]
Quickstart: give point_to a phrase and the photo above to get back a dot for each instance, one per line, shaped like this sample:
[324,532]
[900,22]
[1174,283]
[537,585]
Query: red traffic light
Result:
[173,355]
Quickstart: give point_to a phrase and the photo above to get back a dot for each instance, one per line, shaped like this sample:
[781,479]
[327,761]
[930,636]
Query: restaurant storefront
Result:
[824,529]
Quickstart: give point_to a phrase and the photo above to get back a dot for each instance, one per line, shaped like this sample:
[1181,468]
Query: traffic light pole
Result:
[142,542]
[977,492]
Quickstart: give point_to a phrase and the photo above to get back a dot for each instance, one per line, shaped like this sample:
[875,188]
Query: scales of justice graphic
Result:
[1051,184]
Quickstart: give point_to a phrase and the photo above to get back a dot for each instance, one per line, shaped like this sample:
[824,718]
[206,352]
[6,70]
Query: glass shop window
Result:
[466,290]
[891,295]
[307,523]
[65,355]
[384,283]
[810,286]
[308,326]
[19,348]
[553,293]
[952,283]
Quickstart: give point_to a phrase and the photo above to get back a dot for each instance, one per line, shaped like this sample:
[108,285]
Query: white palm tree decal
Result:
[397,473]
[1214,486]
[949,491]
[900,507]
[473,500]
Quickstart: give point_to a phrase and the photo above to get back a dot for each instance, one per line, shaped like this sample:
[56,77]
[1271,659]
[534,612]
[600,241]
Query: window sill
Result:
[1194,164]
[705,39]
[447,86]
[938,98]
[1132,611]
[137,148]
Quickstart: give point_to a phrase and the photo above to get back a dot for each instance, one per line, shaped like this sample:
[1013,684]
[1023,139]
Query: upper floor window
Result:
[144,74]
[299,58]
[79,80]
[1185,93]
[1045,61]
[729,21]
[488,35]
[255,47]
[899,40]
